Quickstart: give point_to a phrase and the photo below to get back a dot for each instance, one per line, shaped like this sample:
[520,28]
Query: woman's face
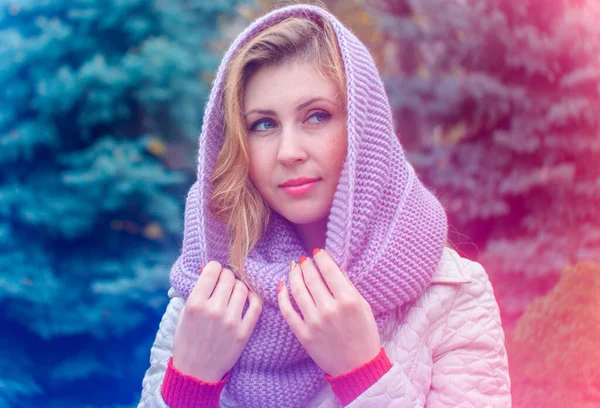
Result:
[297,139]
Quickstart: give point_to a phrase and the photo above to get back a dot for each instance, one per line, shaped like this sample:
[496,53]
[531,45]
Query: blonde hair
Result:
[235,200]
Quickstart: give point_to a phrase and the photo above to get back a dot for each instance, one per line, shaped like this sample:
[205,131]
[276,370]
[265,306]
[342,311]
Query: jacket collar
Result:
[452,269]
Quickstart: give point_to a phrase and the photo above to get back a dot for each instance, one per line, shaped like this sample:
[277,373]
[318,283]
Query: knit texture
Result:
[347,387]
[181,391]
[384,227]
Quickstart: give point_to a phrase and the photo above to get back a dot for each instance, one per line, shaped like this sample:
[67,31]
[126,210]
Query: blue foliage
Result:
[100,108]
[498,103]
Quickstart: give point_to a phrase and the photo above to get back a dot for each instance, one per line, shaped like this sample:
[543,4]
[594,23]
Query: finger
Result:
[293,319]
[337,283]
[238,299]
[314,282]
[223,289]
[300,293]
[209,275]
[252,314]
[345,272]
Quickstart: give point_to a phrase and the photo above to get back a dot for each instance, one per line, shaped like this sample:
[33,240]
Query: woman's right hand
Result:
[211,334]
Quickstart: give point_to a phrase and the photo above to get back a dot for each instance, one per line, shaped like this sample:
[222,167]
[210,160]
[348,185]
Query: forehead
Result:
[273,87]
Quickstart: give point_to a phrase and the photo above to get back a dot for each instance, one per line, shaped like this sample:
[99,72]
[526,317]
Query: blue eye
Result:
[257,126]
[319,117]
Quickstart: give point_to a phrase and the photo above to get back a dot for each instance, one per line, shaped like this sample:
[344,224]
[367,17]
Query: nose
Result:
[291,147]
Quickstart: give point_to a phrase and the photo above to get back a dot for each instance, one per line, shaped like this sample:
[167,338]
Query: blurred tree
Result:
[497,102]
[553,351]
[100,108]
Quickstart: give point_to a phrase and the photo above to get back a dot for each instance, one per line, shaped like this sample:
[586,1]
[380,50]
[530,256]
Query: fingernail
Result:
[292,265]
[201,268]
[280,287]
[315,251]
[302,259]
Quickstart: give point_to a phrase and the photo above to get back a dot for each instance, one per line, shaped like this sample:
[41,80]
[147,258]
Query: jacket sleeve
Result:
[393,390]
[470,364]
[161,351]
[470,367]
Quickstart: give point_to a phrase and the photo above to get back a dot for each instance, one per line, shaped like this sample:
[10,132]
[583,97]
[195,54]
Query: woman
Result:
[305,194]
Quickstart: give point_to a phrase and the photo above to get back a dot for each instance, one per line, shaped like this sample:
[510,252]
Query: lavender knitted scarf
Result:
[384,227]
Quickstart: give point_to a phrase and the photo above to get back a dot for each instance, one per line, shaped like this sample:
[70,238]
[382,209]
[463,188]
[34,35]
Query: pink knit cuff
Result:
[347,387]
[181,390]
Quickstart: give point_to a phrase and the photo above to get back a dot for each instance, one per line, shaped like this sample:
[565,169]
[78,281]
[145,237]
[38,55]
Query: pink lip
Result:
[300,186]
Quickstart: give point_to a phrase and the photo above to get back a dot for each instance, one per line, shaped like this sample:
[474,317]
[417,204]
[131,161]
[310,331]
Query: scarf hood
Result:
[385,227]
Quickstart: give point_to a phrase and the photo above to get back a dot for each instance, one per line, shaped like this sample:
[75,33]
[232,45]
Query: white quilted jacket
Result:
[448,352]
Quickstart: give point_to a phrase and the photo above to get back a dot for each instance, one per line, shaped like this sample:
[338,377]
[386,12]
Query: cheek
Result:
[337,150]
[254,172]
[258,167]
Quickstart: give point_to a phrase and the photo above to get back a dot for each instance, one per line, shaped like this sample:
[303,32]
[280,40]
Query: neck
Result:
[312,235]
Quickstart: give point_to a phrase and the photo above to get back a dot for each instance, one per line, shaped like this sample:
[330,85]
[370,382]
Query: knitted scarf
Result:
[384,227]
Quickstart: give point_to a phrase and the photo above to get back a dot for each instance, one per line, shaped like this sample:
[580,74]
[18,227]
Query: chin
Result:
[300,217]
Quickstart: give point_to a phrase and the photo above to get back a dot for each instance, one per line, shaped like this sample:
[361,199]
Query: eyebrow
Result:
[299,107]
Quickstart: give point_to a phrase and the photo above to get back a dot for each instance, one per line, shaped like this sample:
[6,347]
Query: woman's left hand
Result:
[338,330]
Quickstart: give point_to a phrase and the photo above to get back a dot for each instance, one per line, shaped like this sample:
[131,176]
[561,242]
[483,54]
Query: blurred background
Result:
[497,103]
